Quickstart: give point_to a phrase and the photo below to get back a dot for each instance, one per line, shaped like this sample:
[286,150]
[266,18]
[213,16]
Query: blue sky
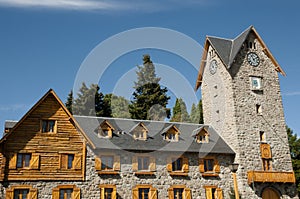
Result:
[44,42]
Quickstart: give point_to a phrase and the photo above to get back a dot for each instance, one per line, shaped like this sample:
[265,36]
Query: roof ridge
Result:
[138,120]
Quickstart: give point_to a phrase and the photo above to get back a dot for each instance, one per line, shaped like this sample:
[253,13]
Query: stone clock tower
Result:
[242,101]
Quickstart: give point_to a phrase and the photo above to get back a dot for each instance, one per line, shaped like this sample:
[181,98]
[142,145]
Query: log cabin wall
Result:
[56,152]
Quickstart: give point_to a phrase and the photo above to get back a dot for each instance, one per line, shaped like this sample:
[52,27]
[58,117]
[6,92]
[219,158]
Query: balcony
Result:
[271,176]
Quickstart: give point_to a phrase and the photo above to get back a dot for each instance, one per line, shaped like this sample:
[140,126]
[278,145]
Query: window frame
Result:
[24,162]
[105,126]
[151,165]
[48,127]
[103,187]
[32,193]
[209,173]
[212,191]
[186,194]
[75,193]
[116,164]
[152,194]
[184,166]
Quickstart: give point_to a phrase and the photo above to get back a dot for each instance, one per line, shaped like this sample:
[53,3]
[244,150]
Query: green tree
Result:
[149,98]
[118,106]
[197,113]
[69,102]
[294,144]
[180,113]
[90,102]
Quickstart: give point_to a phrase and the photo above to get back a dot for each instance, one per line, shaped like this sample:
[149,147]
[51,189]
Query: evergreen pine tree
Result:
[119,106]
[69,102]
[180,113]
[149,99]
[89,101]
[294,144]
[197,113]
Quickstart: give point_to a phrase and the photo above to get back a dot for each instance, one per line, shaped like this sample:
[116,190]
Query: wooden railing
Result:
[271,176]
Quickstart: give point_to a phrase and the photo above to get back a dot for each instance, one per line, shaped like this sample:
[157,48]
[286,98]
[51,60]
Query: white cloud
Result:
[294,93]
[137,5]
[60,4]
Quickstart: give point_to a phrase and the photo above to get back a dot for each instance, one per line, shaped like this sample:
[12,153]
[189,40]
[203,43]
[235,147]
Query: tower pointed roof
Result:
[227,50]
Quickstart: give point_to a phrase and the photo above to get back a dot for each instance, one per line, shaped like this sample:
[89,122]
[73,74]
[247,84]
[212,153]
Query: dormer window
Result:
[139,131]
[105,130]
[171,133]
[201,135]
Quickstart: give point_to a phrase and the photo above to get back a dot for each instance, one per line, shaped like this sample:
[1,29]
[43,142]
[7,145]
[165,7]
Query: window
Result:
[108,192]
[179,192]
[171,133]
[21,192]
[48,126]
[262,136]
[209,167]
[266,164]
[66,192]
[144,192]
[105,129]
[107,164]
[70,161]
[178,166]
[139,131]
[255,83]
[23,160]
[143,164]
[201,134]
[213,192]
[258,109]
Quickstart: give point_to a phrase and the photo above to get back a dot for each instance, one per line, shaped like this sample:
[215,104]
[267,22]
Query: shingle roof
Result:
[123,140]
[227,49]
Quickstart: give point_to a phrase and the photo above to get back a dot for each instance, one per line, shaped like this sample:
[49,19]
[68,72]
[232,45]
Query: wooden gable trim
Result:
[107,123]
[202,64]
[71,118]
[268,52]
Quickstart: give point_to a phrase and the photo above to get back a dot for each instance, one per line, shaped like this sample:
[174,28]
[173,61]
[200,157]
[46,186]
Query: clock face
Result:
[213,67]
[253,59]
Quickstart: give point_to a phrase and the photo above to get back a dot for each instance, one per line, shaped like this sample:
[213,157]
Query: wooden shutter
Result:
[33,194]
[185,165]
[63,161]
[135,193]
[169,164]
[114,193]
[117,163]
[153,193]
[97,164]
[201,165]
[35,161]
[208,193]
[152,166]
[265,150]
[134,163]
[218,193]
[171,193]
[9,194]
[76,193]
[77,161]
[102,193]
[216,166]
[13,161]
[187,193]
[55,193]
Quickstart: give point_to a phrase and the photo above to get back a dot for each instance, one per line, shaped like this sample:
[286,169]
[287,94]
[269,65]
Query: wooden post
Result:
[236,191]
